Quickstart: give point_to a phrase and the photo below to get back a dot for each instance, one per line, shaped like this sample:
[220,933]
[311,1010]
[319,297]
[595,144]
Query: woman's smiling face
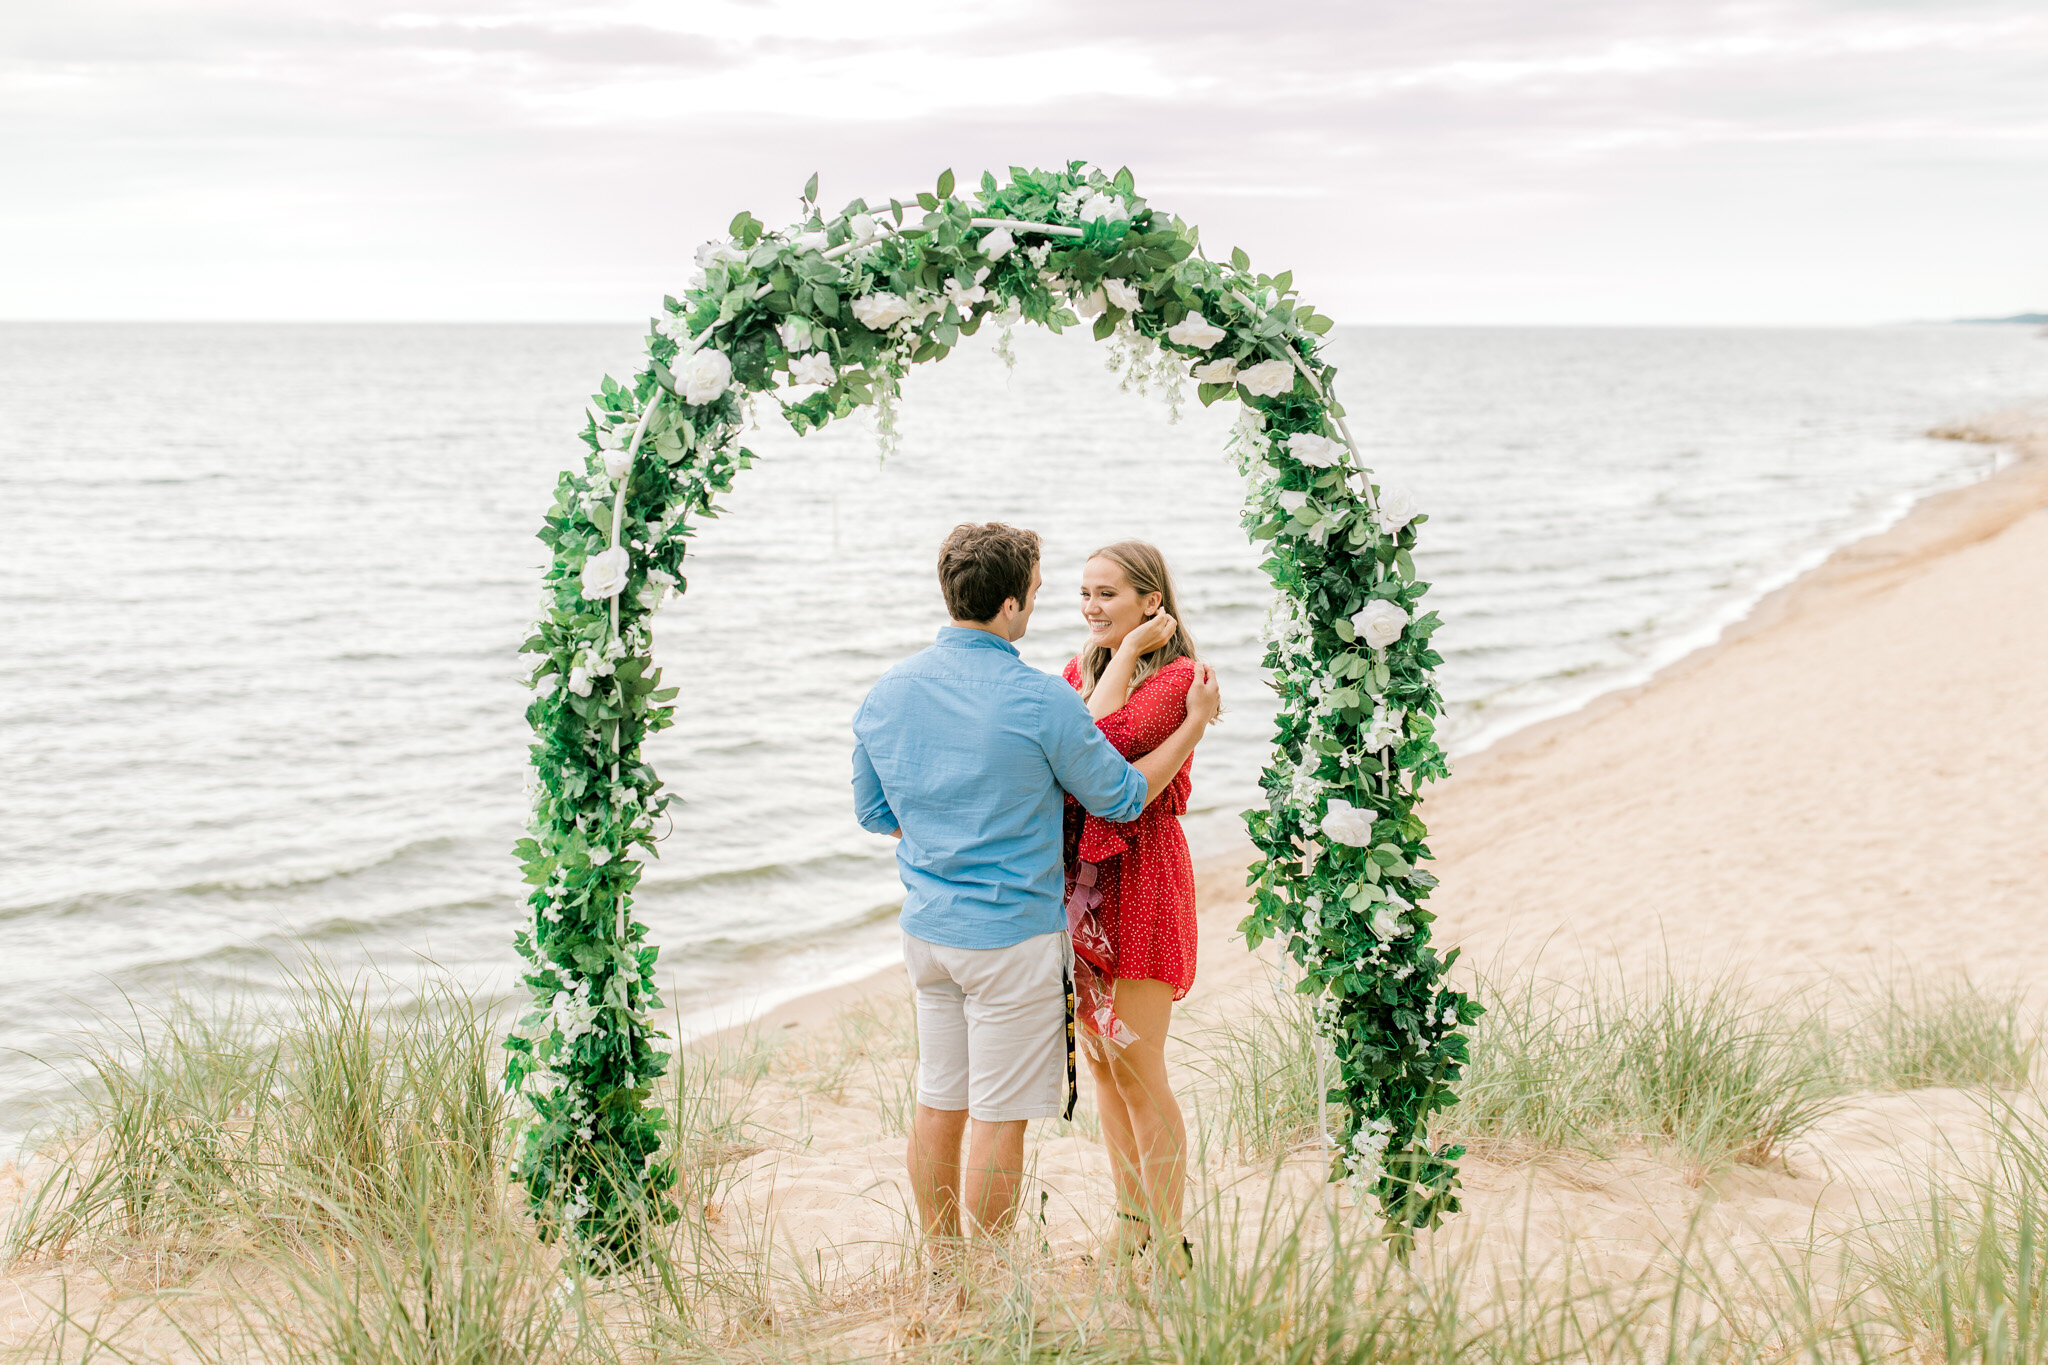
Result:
[1110,606]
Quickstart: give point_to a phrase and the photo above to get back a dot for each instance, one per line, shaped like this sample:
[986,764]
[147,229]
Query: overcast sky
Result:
[1432,161]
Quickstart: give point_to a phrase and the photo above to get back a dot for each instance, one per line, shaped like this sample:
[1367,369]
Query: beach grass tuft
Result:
[1702,1065]
[1948,1031]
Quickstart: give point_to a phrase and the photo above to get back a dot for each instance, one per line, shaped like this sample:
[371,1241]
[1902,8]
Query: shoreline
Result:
[1931,528]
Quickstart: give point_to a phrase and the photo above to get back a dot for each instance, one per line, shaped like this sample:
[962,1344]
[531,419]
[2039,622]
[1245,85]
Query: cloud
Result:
[1586,161]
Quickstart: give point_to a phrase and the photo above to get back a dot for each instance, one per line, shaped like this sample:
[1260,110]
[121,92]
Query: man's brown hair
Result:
[981,567]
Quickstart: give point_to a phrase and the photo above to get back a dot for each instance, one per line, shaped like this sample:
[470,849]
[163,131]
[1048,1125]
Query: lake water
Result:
[261,589]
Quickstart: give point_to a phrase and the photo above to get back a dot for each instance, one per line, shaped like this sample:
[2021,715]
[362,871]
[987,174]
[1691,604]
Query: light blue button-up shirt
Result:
[967,749]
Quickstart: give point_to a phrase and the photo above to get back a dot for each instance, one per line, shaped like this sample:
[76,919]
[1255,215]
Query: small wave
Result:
[293,879]
[824,865]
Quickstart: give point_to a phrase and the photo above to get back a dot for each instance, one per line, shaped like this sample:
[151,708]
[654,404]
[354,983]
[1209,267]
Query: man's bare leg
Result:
[995,1170]
[934,1163]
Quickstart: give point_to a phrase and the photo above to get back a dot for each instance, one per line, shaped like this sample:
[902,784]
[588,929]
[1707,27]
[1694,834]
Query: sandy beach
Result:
[1852,784]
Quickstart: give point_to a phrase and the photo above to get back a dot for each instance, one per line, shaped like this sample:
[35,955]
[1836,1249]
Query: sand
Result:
[1853,781]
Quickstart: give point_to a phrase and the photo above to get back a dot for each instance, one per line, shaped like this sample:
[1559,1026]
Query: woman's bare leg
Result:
[1157,1132]
[1126,1166]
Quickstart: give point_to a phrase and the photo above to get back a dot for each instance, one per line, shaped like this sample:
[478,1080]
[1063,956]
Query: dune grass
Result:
[334,1184]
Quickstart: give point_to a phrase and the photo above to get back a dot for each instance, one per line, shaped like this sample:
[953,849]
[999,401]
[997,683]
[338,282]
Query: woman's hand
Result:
[1205,695]
[1149,634]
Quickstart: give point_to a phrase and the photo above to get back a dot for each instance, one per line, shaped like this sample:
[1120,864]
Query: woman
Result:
[1131,887]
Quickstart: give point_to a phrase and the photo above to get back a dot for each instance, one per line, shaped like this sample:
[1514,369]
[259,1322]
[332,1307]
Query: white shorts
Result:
[993,1032]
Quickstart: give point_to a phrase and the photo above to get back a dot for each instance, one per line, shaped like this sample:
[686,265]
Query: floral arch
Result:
[826,316]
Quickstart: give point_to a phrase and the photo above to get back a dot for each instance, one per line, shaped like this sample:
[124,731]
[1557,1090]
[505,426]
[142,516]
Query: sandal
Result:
[1129,1243]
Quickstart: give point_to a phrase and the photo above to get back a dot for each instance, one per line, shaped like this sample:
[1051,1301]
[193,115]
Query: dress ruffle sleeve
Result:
[1144,722]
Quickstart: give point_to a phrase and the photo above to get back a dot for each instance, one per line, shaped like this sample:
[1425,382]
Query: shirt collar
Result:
[960,637]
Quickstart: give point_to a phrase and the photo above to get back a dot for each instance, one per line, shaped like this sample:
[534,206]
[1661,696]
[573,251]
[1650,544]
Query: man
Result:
[963,751]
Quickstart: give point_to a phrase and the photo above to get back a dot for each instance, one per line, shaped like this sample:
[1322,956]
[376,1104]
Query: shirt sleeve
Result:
[1087,766]
[870,802]
[1151,714]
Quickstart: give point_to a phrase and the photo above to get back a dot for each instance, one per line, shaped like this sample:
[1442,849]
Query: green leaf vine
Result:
[825,317]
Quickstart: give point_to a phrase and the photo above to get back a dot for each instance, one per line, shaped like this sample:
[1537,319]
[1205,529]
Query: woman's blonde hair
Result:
[1145,569]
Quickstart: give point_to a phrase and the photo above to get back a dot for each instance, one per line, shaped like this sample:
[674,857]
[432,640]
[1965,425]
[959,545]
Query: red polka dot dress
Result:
[1142,872]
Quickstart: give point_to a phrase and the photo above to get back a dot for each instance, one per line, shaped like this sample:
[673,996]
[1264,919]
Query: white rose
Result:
[711,253]
[1121,295]
[1104,207]
[1384,730]
[1268,378]
[998,243]
[795,334]
[1396,509]
[1215,372]
[1197,331]
[864,227]
[617,463]
[1346,824]
[1293,499]
[604,574]
[704,376]
[1387,922]
[1318,452]
[815,368]
[1092,306]
[547,684]
[1379,623]
[881,311]
[579,681]
[812,241]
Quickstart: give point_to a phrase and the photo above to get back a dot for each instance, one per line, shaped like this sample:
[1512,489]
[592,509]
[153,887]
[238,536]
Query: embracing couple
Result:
[1045,876]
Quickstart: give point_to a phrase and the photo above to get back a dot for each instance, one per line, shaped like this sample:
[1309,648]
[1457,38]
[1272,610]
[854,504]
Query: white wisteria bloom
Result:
[1268,378]
[1346,824]
[963,296]
[1121,295]
[1396,509]
[604,574]
[1365,1161]
[1197,331]
[659,582]
[1222,371]
[1379,622]
[1038,254]
[574,1015]
[815,368]
[1383,731]
[1307,787]
[704,376]
[881,311]
[1318,452]
[998,243]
